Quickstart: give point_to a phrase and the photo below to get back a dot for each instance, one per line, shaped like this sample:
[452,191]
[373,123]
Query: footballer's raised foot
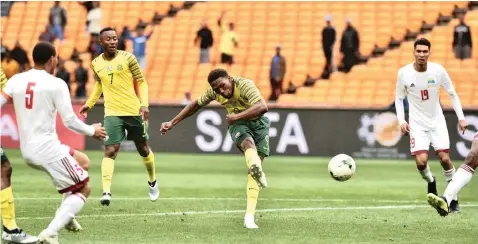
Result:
[432,187]
[258,175]
[249,222]
[153,190]
[105,199]
[18,237]
[48,238]
[438,203]
[73,226]
[454,206]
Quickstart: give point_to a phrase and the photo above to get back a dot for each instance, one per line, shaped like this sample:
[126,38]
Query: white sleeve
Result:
[450,89]
[7,93]
[62,103]
[399,96]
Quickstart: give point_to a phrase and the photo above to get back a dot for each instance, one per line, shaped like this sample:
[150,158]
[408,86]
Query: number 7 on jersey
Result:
[29,95]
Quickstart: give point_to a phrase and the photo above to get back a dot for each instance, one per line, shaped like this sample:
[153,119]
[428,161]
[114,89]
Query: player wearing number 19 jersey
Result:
[421,82]
[115,73]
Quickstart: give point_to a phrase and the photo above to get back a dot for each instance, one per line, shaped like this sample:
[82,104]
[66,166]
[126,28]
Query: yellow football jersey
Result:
[115,79]
[245,95]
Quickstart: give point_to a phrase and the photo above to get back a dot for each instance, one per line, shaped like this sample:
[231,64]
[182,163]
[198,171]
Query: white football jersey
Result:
[37,96]
[423,92]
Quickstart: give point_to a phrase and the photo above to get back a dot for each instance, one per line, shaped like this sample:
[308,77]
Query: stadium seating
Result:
[173,59]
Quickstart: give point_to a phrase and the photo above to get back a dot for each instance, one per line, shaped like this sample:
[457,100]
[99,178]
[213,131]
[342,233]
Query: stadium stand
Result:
[173,59]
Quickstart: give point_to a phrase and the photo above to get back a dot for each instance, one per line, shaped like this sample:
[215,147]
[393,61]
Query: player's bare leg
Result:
[107,169]
[68,209]
[148,160]
[421,160]
[11,232]
[462,176]
[83,160]
[256,180]
[448,171]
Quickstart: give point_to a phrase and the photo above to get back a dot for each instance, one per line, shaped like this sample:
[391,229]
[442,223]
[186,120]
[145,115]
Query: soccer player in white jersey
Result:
[462,176]
[420,82]
[37,96]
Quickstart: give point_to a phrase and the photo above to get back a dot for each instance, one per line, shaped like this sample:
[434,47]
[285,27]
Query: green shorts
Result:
[257,129]
[119,128]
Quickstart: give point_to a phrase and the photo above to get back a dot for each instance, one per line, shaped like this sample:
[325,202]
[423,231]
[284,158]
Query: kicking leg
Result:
[107,169]
[462,176]
[421,160]
[448,171]
[148,160]
[11,233]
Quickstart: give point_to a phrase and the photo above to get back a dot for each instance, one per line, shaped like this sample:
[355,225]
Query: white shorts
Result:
[420,140]
[67,175]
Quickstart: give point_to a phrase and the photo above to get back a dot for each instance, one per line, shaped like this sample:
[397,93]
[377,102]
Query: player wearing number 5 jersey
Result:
[421,82]
[115,73]
[37,96]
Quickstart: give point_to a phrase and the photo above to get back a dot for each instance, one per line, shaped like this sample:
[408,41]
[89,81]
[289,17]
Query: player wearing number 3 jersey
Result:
[115,73]
[421,82]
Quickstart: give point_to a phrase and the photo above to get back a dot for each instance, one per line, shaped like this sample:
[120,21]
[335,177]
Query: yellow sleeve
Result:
[139,77]
[250,91]
[3,80]
[95,95]
[207,97]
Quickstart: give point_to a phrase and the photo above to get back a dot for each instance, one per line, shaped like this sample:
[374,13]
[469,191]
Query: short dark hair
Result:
[106,29]
[422,41]
[216,74]
[42,52]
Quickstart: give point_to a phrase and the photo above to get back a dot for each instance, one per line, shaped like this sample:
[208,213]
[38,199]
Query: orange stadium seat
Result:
[173,58]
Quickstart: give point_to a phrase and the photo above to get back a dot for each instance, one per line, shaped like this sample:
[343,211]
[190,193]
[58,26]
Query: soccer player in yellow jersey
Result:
[248,127]
[11,232]
[115,73]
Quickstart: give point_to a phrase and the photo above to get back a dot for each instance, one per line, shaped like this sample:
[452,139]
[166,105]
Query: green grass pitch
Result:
[203,201]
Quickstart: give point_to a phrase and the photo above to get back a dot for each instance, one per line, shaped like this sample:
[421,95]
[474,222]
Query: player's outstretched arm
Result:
[62,103]
[95,95]
[189,110]
[447,84]
[399,96]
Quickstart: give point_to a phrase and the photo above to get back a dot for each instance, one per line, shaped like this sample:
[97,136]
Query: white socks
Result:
[462,176]
[427,174]
[448,176]
[71,205]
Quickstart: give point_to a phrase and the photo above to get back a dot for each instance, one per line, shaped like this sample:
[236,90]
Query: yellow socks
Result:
[252,187]
[149,164]
[252,157]
[107,168]
[252,195]
[8,209]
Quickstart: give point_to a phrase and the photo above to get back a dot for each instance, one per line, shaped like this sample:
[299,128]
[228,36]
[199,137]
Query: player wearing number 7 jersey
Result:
[37,96]
[421,82]
[115,73]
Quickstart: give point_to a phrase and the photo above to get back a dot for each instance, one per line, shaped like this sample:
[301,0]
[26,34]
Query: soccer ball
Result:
[341,167]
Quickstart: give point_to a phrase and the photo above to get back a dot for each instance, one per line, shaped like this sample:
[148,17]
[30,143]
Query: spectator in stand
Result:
[277,73]
[94,48]
[349,47]
[62,73]
[205,36]
[462,43]
[81,77]
[19,54]
[58,20]
[122,38]
[139,45]
[228,41]
[187,99]
[9,65]
[328,41]
[93,19]
[46,35]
